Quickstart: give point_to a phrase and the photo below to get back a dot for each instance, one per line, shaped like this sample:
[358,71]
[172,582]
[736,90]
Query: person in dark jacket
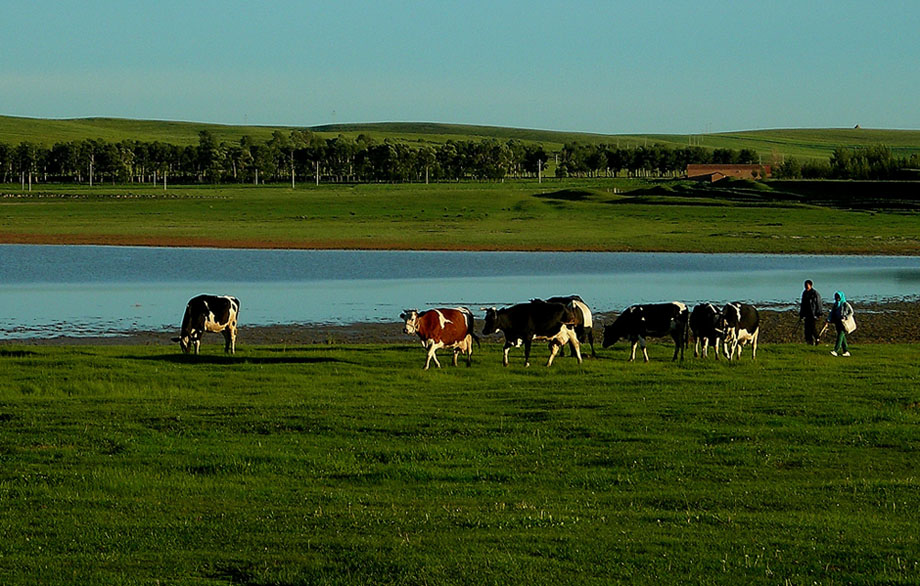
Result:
[811,310]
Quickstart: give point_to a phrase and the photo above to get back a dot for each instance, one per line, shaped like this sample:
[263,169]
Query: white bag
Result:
[849,324]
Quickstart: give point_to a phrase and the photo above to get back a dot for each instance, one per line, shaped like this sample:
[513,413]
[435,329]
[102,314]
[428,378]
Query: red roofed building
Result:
[715,172]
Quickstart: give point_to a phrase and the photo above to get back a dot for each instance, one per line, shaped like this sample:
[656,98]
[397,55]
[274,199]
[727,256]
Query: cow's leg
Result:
[197,342]
[576,347]
[633,344]
[590,334]
[696,348]
[554,347]
[754,345]
[527,344]
[469,350]
[505,352]
[228,340]
[644,345]
[432,348]
[456,353]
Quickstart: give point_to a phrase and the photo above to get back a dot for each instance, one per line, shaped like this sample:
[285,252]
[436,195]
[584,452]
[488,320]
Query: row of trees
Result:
[602,160]
[299,155]
[873,162]
[304,156]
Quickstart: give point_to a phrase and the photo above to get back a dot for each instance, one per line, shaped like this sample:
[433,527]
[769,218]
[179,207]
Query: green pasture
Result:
[351,465]
[523,215]
[805,143]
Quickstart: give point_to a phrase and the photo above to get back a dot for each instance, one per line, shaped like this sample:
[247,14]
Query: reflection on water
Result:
[88,290]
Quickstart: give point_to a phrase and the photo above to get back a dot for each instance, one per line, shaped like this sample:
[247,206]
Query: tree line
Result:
[602,160]
[301,155]
[876,162]
[297,156]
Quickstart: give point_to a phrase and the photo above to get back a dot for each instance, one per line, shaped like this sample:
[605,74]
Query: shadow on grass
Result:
[566,195]
[15,353]
[217,359]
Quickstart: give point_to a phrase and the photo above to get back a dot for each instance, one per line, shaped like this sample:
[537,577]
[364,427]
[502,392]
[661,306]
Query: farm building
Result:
[715,172]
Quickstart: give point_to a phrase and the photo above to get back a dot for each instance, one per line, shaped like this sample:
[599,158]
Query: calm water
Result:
[92,290]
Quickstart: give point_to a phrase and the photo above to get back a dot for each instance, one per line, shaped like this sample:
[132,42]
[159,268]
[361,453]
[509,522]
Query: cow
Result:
[652,320]
[537,320]
[706,327]
[741,323]
[209,313]
[442,328]
[584,323]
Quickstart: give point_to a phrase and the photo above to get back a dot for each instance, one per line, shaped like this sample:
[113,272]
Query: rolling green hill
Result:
[802,143]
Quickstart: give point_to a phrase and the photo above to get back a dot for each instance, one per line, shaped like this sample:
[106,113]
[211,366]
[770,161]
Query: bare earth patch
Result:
[888,322]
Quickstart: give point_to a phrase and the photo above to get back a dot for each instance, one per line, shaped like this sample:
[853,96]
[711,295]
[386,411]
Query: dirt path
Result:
[896,321]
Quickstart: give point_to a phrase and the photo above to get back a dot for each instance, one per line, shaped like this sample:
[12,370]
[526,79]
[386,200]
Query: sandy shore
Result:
[894,321]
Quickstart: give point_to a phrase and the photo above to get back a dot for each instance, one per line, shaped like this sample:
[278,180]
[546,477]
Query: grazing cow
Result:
[442,328]
[741,323]
[537,320]
[706,327]
[653,320]
[584,323]
[209,313]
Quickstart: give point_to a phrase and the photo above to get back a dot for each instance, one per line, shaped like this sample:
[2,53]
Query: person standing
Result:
[841,316]
[811,310]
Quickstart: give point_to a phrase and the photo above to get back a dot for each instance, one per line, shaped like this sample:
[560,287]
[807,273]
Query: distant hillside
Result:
[802,143]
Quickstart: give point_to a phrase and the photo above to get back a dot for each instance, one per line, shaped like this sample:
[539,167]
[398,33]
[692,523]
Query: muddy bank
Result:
[894,321]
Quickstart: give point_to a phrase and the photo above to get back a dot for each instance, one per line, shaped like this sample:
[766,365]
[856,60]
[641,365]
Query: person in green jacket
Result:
[840,313]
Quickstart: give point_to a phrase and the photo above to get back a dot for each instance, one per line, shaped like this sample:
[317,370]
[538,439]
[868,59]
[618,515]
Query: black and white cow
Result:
[706,328]
[639,322]
[584,322]
[537,320]
[741,323]
[209,313]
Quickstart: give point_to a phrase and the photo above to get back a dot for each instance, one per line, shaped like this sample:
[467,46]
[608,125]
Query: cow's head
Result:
[410,319]
[731,315]
[620,326]
[611,335]
[185,342]
[491,322]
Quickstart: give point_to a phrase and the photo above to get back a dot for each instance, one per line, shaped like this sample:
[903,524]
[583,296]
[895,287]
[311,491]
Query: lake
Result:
[101,290]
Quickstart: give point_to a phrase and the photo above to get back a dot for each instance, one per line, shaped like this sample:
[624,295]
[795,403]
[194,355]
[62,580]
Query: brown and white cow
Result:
[209,313]
[442,328]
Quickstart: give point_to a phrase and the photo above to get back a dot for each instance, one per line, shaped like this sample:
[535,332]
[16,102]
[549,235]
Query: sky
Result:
[605,67]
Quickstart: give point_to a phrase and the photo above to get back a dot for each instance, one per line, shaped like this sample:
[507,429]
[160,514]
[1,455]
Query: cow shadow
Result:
[4,353]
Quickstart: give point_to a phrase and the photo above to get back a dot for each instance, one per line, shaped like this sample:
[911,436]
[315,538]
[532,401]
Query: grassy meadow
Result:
[515,215]
[351,465]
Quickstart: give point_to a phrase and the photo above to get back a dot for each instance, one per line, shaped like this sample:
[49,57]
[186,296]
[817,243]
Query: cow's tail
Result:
[470,324]
[684,318]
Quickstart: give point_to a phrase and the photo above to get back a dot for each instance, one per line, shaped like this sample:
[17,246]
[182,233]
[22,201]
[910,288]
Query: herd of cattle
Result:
[562,321]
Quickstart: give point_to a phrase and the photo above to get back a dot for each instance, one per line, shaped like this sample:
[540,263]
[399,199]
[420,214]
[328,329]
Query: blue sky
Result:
[606,67]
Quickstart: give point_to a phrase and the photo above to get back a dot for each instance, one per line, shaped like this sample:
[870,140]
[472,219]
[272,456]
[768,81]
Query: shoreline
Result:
[877,322]
[11,238]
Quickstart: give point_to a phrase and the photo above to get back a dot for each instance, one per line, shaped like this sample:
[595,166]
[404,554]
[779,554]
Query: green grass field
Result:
[350,465]
[558,215]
